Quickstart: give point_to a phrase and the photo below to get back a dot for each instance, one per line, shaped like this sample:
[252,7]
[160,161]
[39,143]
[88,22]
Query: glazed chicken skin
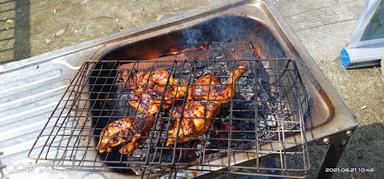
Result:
[149,86]
[203,104]
[147,100]
[196,121]
[209,87]
[139,78]
[128,130]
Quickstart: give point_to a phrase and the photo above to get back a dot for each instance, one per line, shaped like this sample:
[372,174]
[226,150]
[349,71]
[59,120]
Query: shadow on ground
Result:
[364,150]
[14,30]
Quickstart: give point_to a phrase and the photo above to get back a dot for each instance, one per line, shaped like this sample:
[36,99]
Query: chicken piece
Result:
[127,130]
[147,100]
[196,120]
[205,97]
[148,88]
[136,78]
[209,87]
[140,131]
[139,78]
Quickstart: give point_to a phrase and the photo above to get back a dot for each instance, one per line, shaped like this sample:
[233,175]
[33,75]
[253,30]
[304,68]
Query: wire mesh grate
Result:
[262,121]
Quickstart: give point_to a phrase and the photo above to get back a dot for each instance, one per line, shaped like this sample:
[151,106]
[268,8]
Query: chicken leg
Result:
[127,130]
[209,87]
[196,121]
[205,97]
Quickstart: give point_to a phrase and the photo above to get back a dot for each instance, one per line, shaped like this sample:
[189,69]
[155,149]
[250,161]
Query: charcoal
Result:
[247,107]
[255,109]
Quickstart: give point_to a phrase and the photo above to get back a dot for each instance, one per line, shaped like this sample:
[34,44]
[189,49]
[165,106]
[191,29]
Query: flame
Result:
[257,51]
[258,29]
[173,51]
[203,46]
[152,54]
[226,127]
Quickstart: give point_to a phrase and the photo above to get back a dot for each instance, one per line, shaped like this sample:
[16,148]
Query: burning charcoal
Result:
[200,150]
[183,70]
[271,121]
[243,108]
[262,124]
[246,90]
[219,57]
[121,106]
[285,116]
[263,94]
[182,155]
[216,136]
[224,111]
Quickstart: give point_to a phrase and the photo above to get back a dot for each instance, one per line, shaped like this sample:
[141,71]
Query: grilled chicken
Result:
[148,88]
[136,78]
[209,87]
[147,100]
[159,77]
[205,97]
[128,130]
[196,120]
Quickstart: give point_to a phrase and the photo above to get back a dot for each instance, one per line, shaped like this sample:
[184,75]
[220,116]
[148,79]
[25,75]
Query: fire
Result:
[203,46]
[152,54]
[257,51]
[226,127]
[173,51]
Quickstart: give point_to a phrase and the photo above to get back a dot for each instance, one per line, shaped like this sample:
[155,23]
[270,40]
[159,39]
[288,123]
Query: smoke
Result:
[233,28]
[192,36]
[220,29]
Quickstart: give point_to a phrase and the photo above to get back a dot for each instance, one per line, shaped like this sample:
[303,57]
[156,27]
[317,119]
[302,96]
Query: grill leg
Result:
[332,158]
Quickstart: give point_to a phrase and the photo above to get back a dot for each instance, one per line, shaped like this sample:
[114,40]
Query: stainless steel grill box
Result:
[31,88]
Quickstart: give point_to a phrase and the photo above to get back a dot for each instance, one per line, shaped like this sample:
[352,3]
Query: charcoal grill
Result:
[265,113]
[328,120]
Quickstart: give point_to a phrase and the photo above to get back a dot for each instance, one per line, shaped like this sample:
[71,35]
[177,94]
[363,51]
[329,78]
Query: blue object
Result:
[344,57]
[381,17]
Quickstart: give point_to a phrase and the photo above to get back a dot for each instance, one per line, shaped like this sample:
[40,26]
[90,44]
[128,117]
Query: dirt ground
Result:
[32,27]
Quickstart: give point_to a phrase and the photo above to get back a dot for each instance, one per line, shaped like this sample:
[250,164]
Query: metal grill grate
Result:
[263,121]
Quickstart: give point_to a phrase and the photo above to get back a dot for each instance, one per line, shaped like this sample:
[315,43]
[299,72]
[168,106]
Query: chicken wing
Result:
[128,130]
[209,87]
[196,120]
